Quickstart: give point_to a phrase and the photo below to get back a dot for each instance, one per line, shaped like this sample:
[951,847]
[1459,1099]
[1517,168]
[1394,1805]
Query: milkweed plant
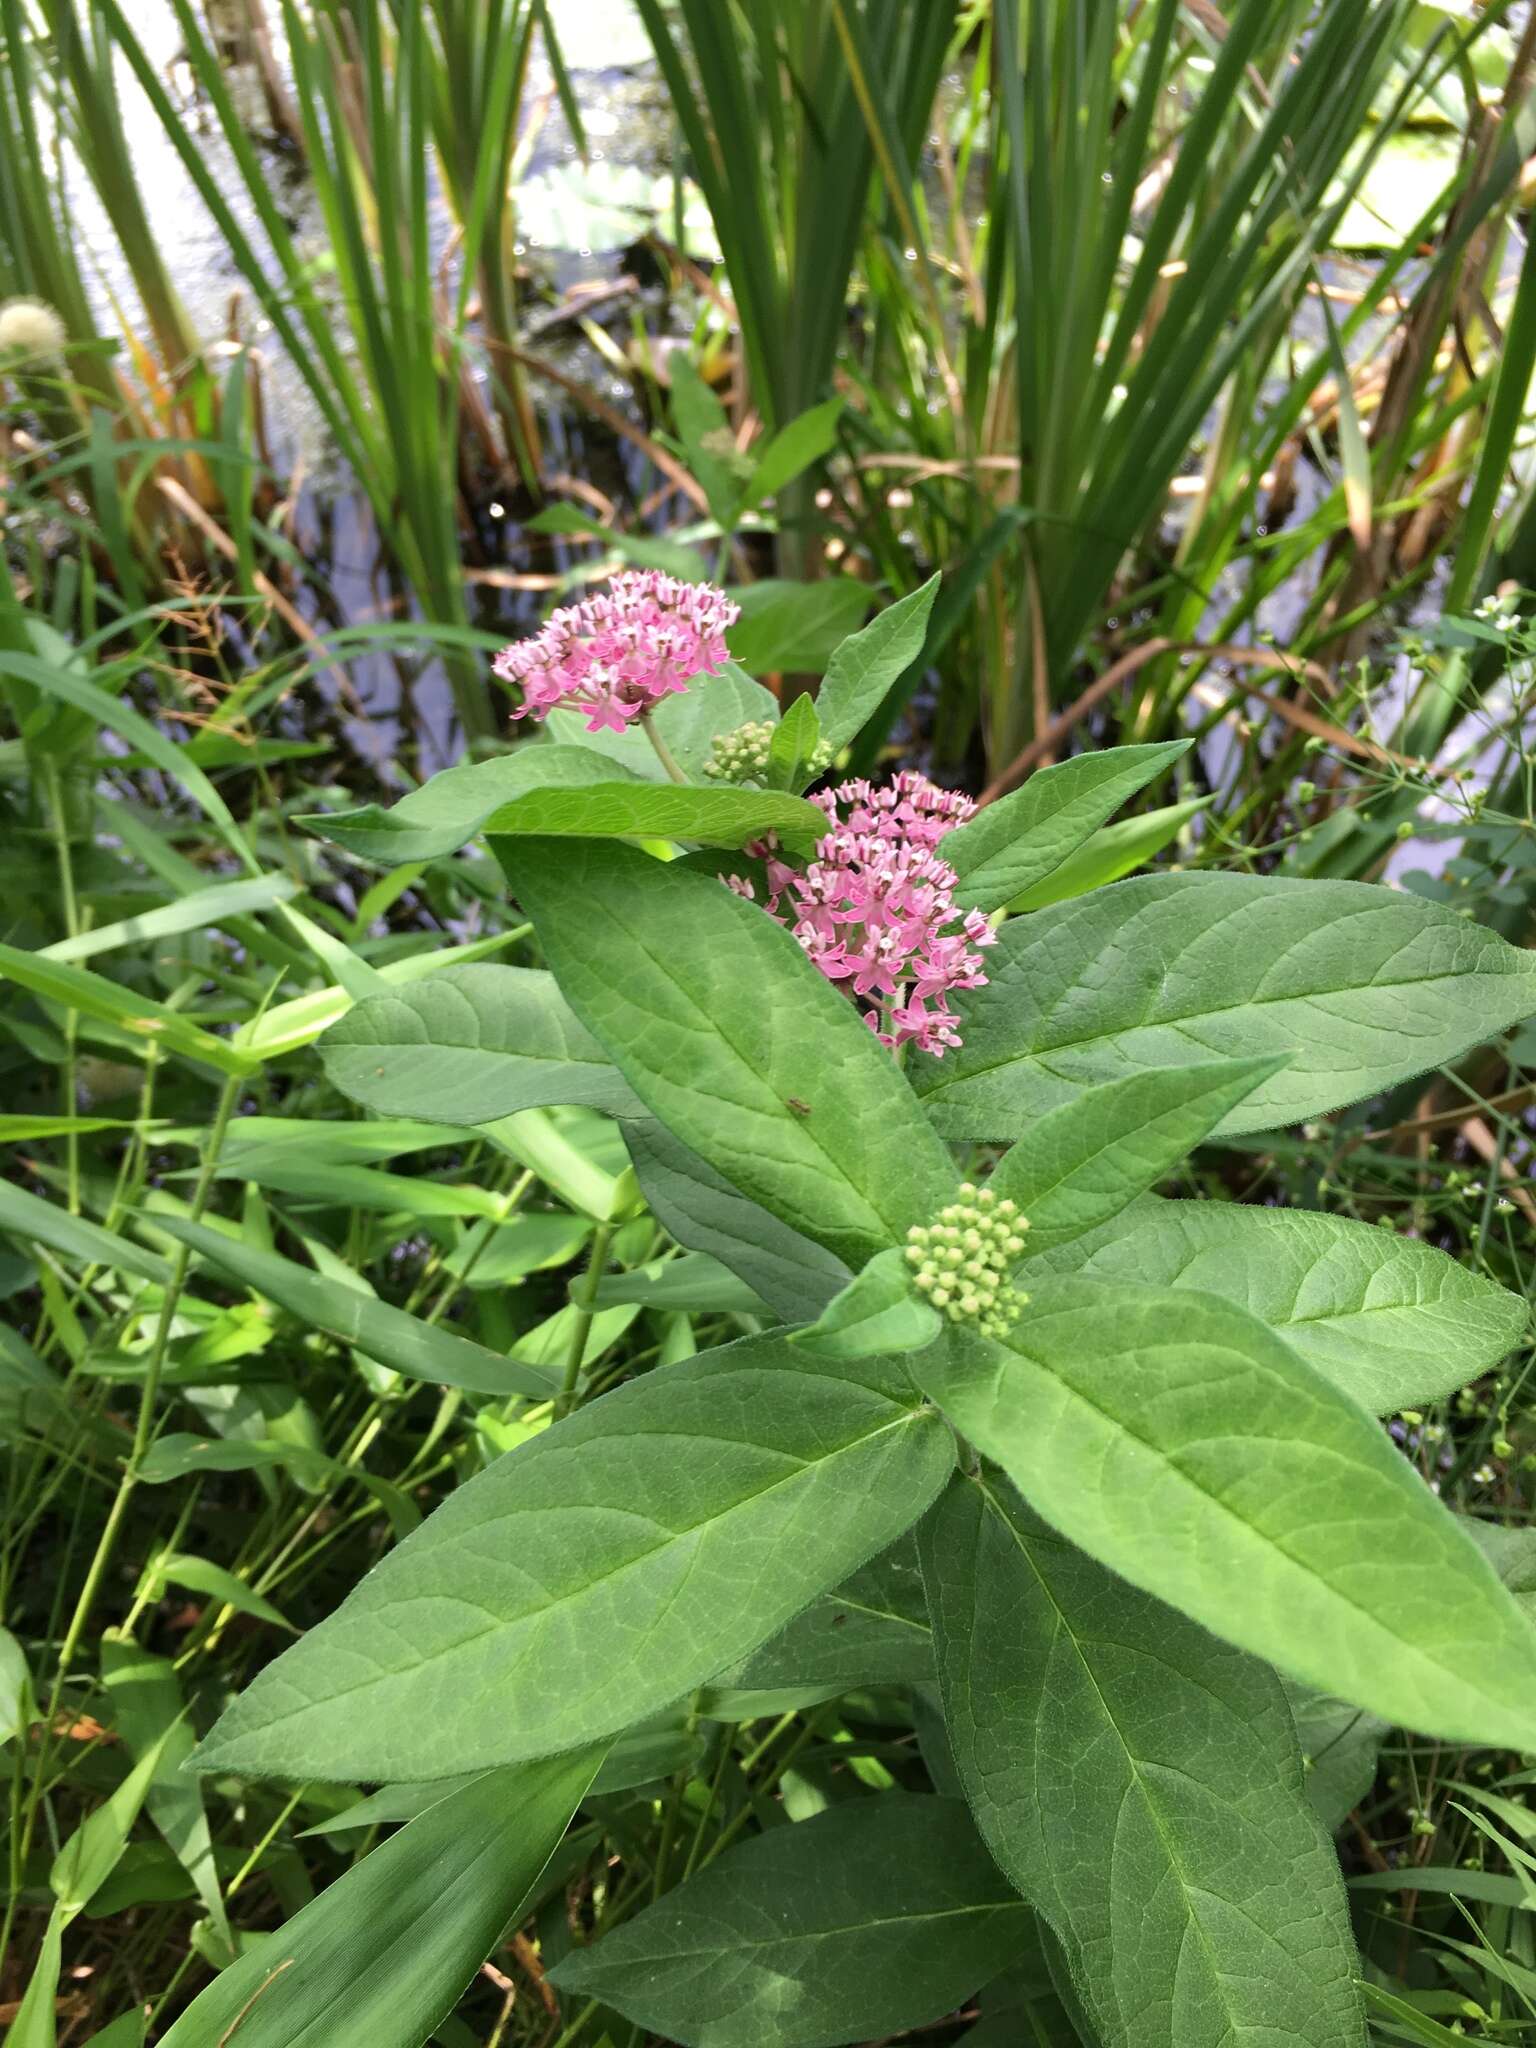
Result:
[1127,1447]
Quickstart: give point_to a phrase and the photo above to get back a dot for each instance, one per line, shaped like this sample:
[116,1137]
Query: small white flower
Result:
[28,327]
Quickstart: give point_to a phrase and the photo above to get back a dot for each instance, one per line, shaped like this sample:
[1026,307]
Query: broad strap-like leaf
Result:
[1362,987]
[1112,852]
[1085,1161]
[385,1951]
[865,666]
[468,1046]
[1020,841]
[726,1032]
[877,1915]
[871,1630]
[700,1208]
[1141,1784]
[598,1572]
[878,1311]
[446,811]
[1180,1442]
[423,1351]
[1391,1321]
[598,807]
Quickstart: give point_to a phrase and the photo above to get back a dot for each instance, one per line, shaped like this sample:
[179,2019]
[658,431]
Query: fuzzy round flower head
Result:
[615,655]
[961,1261]
[30,328]
[742,755]
[876,909]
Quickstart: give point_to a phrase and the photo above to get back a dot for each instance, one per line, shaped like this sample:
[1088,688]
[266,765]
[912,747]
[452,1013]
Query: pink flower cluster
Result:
[616,655]
[875,909]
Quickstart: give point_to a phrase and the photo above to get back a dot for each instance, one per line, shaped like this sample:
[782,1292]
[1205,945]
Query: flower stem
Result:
[586,1308]
[662,751]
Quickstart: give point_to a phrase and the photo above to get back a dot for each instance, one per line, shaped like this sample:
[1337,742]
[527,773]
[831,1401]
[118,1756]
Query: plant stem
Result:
[661,750]
[586,1308]
[106,1543]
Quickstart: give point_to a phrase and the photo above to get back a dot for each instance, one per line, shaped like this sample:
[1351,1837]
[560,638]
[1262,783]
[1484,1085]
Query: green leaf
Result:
[871,1630]
[701,1209]
[793,746]
[30,1217]
[1389,1320]
[1088,1159]
[724,1029]
[699,417]
[865,666]
[876,1312]
[1021,841]
[90,1855]
[447,811]
[178,1454]
[793,449]
[877,1915]
[695,1282]
[687,721]
[149,1715]
[1362,986]
[595,809]
[145,1022]
[1113,851]
[423,1351]
[469,1046]
[794,628]
[1181,1443]
[1141,1784]
[18,1702]
[211,906]
[1340,1746]
[199,1575]
[383,1954]
[597,1573]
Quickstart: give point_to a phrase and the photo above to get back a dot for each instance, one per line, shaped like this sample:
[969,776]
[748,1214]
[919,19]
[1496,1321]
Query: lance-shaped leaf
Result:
[867,663]
[383,1954]
[1181,1443]
[876,1916]
[877,1311]
[1088,1159]
[423,1351]
[1113,851]
[703,1211]
[469,1046]
[871,1630]
[1020,841]
[442,815]
[726,1032]
[687,723]
[598,1572]
[1391,1321]
[432,821]
[1363,987]
[1141,1784]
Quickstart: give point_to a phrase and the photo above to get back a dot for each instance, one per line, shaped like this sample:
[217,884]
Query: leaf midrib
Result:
[905,1419]
[1154,1813]
[1373,1621]
[1173,1022]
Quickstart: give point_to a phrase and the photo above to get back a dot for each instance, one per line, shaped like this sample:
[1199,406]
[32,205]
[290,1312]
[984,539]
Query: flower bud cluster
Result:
[742,755]
[961,1261]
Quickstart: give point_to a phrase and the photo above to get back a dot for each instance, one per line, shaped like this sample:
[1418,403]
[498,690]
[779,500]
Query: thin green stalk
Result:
[661,750]
[106,1544]
[586,1309]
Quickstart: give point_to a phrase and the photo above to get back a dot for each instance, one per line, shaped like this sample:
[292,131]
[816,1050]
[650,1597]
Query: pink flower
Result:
[616,655]
[875,907]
